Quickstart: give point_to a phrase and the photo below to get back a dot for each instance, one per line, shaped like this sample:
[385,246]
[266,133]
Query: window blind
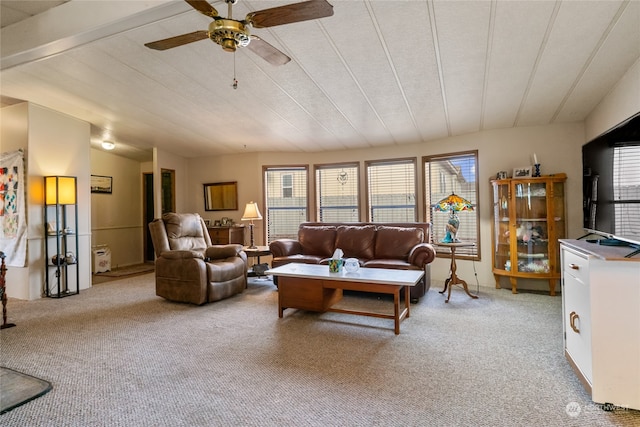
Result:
[391,188]
[453,173]
[626,189]
[337,193]
[286,205]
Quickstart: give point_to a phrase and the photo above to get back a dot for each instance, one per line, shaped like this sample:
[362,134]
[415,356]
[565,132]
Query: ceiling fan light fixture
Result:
[232,34]
[229,34]
[108,145]
[228,45]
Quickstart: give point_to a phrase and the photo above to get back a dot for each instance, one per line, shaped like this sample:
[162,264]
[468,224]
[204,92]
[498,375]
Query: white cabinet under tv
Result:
[601,320]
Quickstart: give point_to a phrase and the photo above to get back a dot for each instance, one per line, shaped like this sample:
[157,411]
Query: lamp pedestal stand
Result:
[252,243]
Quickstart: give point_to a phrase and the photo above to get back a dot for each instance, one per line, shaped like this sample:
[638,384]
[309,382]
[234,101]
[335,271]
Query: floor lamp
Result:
[251,212]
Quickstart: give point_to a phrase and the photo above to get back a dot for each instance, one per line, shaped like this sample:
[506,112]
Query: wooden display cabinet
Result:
[529,217]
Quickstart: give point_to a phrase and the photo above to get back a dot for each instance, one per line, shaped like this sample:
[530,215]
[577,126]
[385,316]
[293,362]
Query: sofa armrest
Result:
[222,251]
[285,247]
[182,255]
[422,254]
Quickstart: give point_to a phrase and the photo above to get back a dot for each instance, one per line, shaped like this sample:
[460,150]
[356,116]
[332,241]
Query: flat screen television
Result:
[611,183]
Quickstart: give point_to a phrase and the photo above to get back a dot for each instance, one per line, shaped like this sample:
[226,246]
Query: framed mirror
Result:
[221,196]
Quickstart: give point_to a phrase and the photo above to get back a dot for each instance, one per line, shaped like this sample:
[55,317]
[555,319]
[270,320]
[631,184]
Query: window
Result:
[286,204]
[453,173]
[626,190]
[391,191]
[337,193]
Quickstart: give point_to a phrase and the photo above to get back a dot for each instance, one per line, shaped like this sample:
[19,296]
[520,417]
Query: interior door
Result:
[149,215]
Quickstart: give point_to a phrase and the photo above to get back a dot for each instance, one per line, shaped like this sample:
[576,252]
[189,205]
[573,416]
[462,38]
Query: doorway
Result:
[148,214]
[168,190]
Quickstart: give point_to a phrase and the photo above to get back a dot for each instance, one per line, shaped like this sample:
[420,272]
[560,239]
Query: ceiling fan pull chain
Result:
[235,82]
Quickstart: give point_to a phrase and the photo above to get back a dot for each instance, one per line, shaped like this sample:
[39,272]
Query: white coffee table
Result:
[312,287]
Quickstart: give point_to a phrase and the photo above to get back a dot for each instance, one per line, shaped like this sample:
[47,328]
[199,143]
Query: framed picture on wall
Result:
[101,184]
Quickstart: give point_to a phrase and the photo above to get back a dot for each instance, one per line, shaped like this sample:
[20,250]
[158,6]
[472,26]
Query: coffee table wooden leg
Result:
[396,310]
[407,296]
[280,309]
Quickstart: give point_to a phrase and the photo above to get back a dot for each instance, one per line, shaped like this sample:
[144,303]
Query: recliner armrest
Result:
[222,251]
[285,247]
[182,254]
[422,254]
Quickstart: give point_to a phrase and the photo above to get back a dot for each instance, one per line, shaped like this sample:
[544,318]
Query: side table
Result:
[257,252]
[453,278]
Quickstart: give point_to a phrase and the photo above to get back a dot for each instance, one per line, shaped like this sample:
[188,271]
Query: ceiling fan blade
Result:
[289,14]
[269,53]
[176,41]
[203,7]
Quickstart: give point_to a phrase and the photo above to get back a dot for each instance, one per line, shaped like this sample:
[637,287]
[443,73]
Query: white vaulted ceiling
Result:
[378,72]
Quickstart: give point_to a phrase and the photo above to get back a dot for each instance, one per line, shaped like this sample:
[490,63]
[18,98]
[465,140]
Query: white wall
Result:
[14,135]
[56,144]
[116,218]
[621,103]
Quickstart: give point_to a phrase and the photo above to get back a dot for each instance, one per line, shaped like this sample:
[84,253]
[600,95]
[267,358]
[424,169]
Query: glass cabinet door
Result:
[531,228]
[501,250]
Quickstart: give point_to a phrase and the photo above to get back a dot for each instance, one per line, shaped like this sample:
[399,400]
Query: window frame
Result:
[317,196]
[265,194]
[472,253]
[384,162]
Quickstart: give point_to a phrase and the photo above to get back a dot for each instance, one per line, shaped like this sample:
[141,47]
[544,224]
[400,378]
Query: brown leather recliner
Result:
[188,267]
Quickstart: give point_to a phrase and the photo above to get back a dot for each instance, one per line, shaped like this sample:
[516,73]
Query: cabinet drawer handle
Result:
[572,321]
[574,266]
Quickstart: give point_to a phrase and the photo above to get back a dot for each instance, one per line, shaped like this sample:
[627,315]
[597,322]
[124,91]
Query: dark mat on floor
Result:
[17,389]
[126,271]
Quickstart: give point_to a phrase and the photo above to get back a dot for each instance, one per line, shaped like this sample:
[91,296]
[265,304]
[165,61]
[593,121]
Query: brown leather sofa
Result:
[188,268]
[376,245]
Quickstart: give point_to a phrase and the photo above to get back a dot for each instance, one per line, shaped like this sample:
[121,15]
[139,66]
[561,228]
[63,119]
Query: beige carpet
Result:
[117,355]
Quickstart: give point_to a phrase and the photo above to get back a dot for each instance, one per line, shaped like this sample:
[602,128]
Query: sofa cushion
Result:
[356,241]
[317,240]
[396,242]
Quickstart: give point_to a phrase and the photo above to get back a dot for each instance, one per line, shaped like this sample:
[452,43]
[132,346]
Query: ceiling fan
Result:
[231,33]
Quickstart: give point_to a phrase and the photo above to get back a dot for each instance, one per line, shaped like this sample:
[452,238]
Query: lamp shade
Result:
[251,212]
[60,190]
[453,202]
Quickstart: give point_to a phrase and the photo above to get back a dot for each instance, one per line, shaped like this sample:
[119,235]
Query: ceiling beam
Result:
[76,23]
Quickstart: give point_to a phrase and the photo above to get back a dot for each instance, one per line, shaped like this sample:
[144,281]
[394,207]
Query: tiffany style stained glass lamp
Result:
[452,204]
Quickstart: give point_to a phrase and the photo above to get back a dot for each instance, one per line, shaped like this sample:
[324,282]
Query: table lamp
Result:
[251,212]
[452,204]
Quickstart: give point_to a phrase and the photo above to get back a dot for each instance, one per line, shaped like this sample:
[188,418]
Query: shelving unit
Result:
[528,219]
[62,276]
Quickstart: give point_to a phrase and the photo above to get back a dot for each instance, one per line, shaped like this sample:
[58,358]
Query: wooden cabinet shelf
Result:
[528,220]
[227,235]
